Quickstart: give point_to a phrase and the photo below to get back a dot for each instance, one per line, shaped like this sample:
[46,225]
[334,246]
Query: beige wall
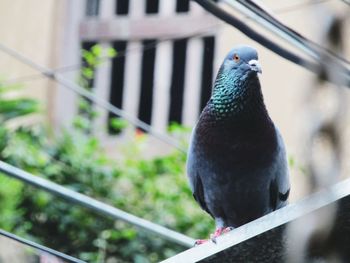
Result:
[29,28]
[25,27]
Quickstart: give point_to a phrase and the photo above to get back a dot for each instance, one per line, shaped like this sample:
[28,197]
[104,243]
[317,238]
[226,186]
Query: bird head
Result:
[242,60]
[236,83]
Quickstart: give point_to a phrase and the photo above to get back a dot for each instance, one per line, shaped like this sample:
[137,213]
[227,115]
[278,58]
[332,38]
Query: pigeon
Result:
[236,164]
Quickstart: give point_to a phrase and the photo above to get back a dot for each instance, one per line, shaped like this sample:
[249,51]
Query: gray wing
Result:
[280,185]
[194,178]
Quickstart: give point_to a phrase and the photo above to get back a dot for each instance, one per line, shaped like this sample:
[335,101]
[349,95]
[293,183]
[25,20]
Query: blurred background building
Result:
[169,53]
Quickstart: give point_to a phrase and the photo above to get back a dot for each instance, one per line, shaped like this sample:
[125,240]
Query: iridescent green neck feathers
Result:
[232,94]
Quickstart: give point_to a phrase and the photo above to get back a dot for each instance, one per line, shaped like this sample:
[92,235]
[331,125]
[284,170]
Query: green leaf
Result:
[10,198]
[97,50]
[118,124]
[88,57]
[81,123]
[111,52]
[152,188]
[291,161]
[87,72]
[14,108]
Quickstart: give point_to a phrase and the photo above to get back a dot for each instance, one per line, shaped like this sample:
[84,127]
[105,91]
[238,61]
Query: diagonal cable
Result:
[346,2]
[214,9]
[95,205]
[40,247]
[155,43]
[92,97]
[310,46]
[123,53]
[314,67]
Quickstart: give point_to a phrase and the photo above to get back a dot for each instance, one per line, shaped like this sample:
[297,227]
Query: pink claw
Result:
[200,242]
[220,231]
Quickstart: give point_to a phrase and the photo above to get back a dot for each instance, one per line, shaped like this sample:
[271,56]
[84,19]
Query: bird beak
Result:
[255,66]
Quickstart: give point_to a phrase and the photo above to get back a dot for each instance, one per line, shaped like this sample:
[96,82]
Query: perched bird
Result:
[236,162]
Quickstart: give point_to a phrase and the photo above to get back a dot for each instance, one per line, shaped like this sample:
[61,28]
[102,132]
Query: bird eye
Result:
[235,57]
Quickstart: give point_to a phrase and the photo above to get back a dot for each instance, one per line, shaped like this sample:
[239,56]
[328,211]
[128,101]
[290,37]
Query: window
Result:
[152,6]
[122,7]
[178,50]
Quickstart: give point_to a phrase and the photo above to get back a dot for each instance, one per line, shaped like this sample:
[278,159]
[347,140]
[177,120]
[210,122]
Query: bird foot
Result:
[200,242]
[220,231]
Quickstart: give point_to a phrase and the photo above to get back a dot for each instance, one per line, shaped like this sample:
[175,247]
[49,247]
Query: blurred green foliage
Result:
[155,189]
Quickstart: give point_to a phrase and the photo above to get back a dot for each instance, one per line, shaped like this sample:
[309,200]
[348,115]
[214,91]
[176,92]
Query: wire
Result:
[106,105]
[317,51]
[151,45]
[279,50]
[95,205]
[155,43]
[245,29]
[269,25]
[120,54]
[310,46]
[40,247]
[288,55]
[81,199]
[92,97]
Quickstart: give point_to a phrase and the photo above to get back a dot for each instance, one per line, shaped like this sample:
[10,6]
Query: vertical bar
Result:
[117,82]
[103,74]
[122,7]
[162,84]
[137,8]
[147,80]
[162,76]
[177,80]
[107,8]
[152,6]
[207,69]
[131,95]
[192,82]
[87,46]
[167,7]
[182,6]
[193,78]
[65,106]
[102,90]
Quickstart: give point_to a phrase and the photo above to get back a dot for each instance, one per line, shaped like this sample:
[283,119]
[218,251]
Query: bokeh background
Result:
[156,60]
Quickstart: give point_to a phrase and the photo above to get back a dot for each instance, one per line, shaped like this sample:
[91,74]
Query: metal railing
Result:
[40,247]
[95,205]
